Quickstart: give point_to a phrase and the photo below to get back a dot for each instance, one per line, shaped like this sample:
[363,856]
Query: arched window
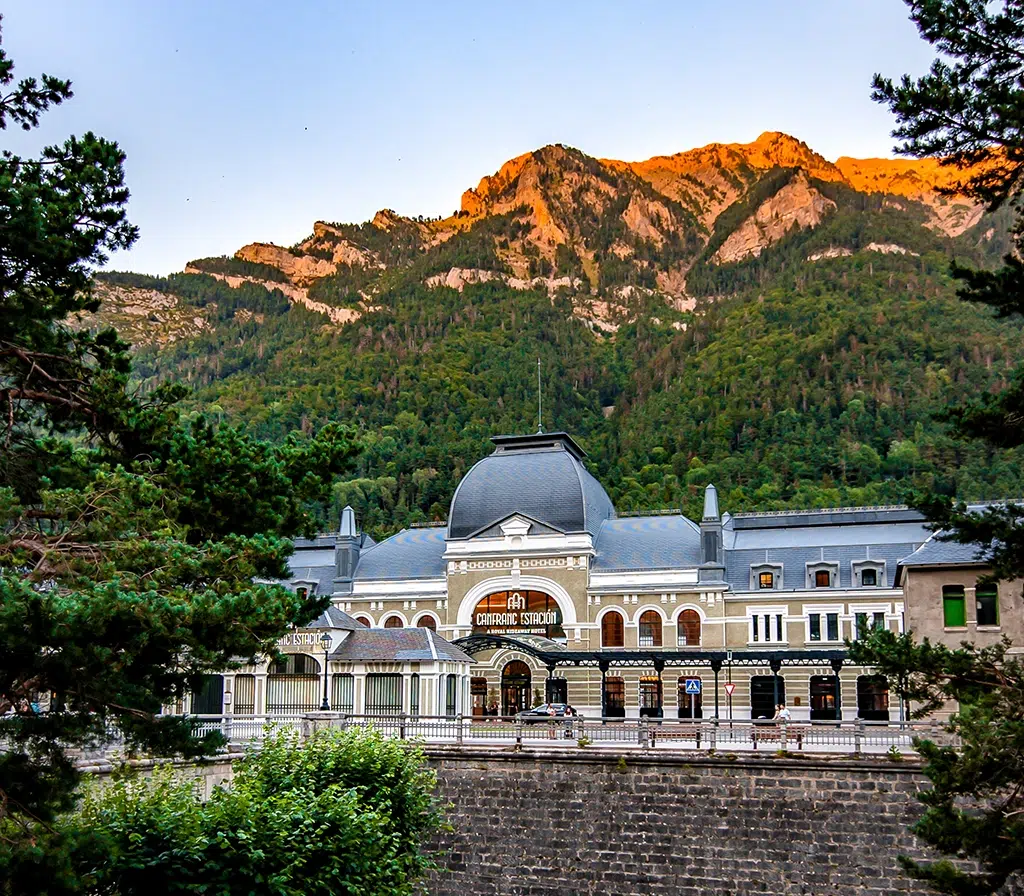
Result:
[365,620]
[612,630]
[688,629]
[427,622]
[393,622]
[650,629]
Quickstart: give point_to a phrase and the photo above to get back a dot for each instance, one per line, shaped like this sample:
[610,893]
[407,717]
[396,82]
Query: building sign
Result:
[519,612]
[302,640]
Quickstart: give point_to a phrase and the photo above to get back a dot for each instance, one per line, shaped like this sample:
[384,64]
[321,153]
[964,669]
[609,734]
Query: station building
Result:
[557,597]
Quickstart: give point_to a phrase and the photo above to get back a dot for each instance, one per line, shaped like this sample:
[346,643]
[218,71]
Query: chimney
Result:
[712,556]
[346,552]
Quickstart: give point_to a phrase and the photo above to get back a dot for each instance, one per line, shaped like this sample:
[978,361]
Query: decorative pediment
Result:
[515,525]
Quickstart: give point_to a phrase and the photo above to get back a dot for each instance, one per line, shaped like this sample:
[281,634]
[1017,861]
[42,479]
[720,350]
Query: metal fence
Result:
[843,738]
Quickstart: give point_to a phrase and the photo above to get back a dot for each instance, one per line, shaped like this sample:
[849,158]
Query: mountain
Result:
[749,313]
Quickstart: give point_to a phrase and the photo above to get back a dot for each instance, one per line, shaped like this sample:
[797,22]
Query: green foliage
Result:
[974,808]
[237,267]
[129,539]
[968,108]
[341,813]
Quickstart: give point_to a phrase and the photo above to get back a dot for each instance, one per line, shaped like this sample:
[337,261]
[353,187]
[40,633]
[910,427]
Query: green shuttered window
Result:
[954,608]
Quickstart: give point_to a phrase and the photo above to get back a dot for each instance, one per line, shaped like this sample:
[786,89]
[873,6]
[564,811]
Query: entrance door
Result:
[873,698]
[651,698]
[762,695]
[823,698]
[515,688]
[557,690]
[690,706]
[614,701]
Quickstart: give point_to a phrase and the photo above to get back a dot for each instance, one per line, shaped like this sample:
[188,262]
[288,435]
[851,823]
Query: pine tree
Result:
[130,539]
[969,109]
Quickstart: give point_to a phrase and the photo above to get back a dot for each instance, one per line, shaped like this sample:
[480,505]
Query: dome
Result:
[540,476]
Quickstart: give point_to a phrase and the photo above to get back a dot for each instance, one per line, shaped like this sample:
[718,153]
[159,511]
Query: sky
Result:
[247,122]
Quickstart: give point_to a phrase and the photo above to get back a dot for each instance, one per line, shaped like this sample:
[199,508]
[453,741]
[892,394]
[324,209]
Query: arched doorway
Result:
[691,704]
[515,688]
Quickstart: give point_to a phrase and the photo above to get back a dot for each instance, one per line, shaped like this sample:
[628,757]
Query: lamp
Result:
[325,643]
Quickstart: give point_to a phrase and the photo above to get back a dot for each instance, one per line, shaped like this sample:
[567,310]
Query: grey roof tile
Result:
[543,478]
[398,644]
[936,552]
[410,554]
[332,617]
[652,542]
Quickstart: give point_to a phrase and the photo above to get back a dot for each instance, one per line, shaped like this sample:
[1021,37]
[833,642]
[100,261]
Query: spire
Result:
[348,523]
[711,503]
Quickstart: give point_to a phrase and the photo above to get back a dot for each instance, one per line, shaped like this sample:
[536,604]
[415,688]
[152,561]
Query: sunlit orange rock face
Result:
[924,180]
[660,212]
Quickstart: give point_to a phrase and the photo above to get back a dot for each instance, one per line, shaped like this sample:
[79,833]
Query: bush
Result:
[344,812]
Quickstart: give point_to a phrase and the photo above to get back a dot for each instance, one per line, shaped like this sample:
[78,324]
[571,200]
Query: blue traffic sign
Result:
[692,685]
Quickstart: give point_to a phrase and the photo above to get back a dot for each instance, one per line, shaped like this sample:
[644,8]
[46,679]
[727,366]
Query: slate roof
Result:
[653,542]
[542,477]
[410,554]
[945,553]
[332,617]
[839,536]
[406,644]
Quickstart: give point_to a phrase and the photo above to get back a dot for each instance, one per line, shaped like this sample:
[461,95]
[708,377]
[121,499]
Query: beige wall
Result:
[924,617]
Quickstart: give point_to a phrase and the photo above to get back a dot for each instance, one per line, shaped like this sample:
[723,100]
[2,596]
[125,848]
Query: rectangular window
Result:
[754,620]
[778,628]
[767,627]
[450,704]
[860,625]
[832,626]
[954,614]
[766,580]
[383,694]
[414,695]
[342,689]
[822,579]
[814,626]
[987,605]
[869,578]
[878,620]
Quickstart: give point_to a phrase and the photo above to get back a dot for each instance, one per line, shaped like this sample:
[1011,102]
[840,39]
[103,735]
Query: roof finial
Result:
[540,419]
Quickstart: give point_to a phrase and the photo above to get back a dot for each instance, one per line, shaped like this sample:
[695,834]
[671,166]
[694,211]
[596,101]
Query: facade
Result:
[949,602]
[369,671]
[558,597]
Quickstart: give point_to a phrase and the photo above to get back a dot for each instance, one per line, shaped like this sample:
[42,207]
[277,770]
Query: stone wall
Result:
[597,823]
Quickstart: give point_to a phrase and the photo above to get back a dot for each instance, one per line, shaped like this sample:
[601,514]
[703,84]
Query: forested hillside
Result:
[751,315]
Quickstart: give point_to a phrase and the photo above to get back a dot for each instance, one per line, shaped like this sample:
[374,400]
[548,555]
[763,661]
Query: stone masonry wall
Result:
[595,823]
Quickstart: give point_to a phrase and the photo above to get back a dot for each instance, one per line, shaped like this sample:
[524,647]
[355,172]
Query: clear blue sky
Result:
[249,121]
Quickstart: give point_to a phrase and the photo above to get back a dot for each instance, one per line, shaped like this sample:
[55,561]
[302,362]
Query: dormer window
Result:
[766,577]
[824,574]
[868,573]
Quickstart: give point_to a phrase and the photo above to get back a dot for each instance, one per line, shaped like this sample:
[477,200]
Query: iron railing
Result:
[845,738]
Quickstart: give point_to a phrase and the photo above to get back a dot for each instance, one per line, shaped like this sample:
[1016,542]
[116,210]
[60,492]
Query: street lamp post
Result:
[325,643]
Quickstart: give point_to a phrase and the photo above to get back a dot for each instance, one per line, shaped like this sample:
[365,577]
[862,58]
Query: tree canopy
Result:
[969,109]
[132,541]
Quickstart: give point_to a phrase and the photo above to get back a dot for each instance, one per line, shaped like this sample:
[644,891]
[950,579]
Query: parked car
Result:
[544,713]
